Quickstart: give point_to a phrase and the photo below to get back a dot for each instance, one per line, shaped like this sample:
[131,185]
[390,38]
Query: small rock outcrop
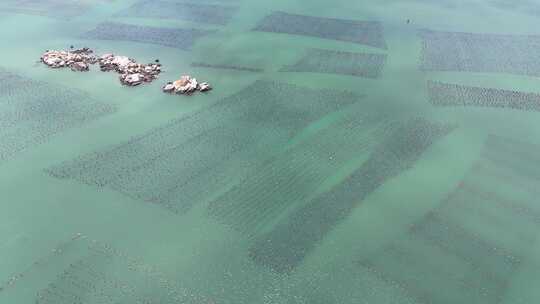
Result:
[78,60]
[131,72]
[185,85]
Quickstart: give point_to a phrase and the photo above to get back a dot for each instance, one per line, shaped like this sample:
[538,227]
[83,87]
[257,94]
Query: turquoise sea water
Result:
[352,158]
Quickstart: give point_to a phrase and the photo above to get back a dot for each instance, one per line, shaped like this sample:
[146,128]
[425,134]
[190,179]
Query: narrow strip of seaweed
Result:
[226,67]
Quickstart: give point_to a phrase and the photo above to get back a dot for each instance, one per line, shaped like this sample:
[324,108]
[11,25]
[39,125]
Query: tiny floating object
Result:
[186,85]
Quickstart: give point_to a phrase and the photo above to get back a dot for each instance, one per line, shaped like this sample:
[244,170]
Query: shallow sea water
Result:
[350,152]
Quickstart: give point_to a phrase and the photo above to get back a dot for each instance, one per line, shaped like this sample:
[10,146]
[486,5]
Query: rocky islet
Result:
[131,72]
[186,85]
[78,60]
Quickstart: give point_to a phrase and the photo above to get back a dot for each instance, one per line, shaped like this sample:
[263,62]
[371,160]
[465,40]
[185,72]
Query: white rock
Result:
[168,88]
[204,86]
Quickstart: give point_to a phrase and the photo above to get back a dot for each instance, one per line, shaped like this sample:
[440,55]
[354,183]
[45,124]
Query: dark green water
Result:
[350,152]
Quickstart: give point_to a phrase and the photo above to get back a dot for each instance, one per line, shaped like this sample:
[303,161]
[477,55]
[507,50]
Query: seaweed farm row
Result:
[171,163]
[475,241]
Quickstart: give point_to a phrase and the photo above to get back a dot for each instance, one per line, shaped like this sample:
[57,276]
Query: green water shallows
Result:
[264,173]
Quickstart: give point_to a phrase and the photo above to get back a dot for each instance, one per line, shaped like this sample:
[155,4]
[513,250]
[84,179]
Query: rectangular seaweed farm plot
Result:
[50,8]
[169,162]
[478,252]
[448,95]
[488,53]
[420,270]
[85,271]
[180,38]
[28,119]
[515,156]
[203,13]
[290,177]
[362,32]
[339,62]
[283,248]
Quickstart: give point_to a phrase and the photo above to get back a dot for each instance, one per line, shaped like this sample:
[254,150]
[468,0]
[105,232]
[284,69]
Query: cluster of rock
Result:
[78,60]
[186,85]
[131,72]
